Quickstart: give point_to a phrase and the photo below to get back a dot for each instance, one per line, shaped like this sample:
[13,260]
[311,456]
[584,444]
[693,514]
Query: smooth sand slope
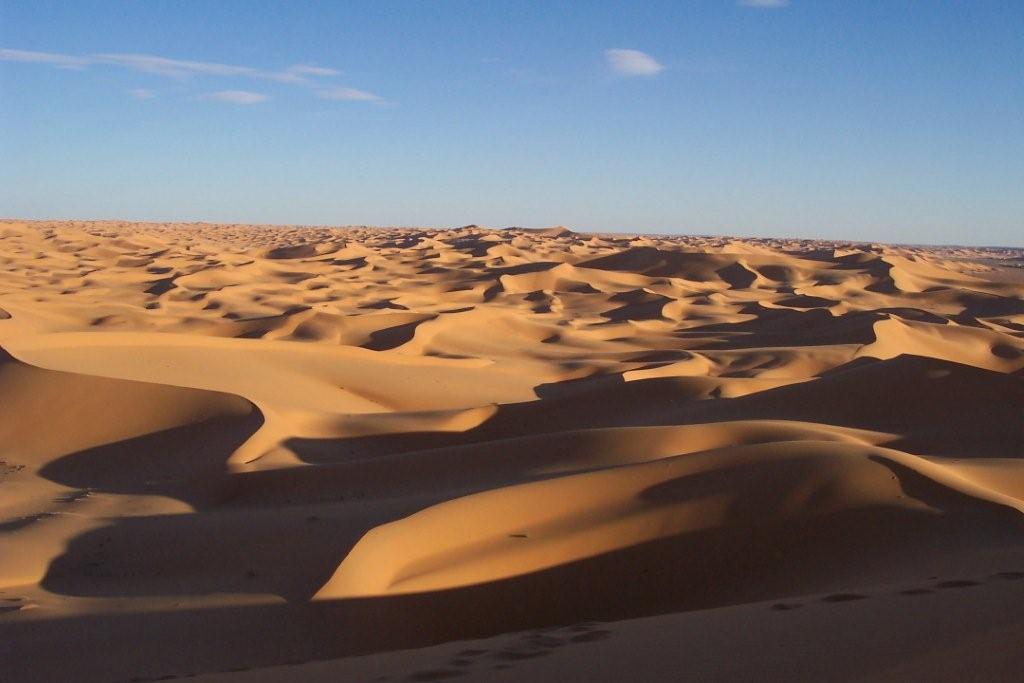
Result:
[256,453]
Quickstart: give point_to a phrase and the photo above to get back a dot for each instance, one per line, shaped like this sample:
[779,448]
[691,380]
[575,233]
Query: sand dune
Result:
[240,447]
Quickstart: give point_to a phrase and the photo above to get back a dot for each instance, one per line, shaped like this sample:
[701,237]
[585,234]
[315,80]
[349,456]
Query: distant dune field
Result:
[259,453]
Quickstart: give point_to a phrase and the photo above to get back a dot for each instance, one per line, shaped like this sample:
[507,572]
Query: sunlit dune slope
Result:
[338,441]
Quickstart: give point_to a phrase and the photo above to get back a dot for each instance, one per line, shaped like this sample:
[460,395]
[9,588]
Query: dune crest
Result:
[424,435]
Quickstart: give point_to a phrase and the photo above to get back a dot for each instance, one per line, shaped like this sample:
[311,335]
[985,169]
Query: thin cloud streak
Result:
[305,75]
[632,62]
[348,94]
[53,59]
[180,69]
[311,70]
[237,97]
[172,68]
[142,93]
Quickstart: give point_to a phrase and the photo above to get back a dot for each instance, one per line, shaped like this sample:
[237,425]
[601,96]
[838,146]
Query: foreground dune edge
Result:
[499,430]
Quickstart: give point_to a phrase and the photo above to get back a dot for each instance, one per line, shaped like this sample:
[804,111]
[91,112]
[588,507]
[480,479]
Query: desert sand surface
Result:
[262,453]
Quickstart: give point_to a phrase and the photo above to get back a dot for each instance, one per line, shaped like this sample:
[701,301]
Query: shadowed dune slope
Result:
[240,447]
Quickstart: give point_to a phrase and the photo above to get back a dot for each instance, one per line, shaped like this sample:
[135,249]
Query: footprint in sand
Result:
[590,636]
[1009,576]
[785,606]
[958,583]
[919,590]
[843,597]
[517,654]
[528,646]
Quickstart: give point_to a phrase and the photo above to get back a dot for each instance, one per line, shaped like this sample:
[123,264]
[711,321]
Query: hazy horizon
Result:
[863,122]
[462,224]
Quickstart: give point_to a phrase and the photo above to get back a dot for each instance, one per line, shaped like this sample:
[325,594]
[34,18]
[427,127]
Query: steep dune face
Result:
[392,438]
[978,346]
[758,493]
[67,439]
[48,413]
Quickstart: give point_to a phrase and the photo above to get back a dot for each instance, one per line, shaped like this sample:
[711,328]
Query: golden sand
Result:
[248,449]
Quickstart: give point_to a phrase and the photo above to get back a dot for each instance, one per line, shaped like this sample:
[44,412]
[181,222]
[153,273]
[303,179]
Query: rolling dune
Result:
[245,450]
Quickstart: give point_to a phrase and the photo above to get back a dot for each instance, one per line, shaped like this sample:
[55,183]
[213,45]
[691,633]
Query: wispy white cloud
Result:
[173,68]
[237,97]
[297,74]
[632,62]
[142,93]
[51,58]
[348,94]
[764,4]
[307,75]
[311,70]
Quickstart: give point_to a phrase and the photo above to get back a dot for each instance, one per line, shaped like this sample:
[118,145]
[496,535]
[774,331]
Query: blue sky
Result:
[895,121]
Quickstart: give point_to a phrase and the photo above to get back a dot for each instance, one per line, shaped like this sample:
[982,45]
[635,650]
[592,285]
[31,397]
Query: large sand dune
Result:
[228,449]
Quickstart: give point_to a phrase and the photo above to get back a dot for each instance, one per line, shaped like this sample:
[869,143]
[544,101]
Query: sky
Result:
[840,119]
